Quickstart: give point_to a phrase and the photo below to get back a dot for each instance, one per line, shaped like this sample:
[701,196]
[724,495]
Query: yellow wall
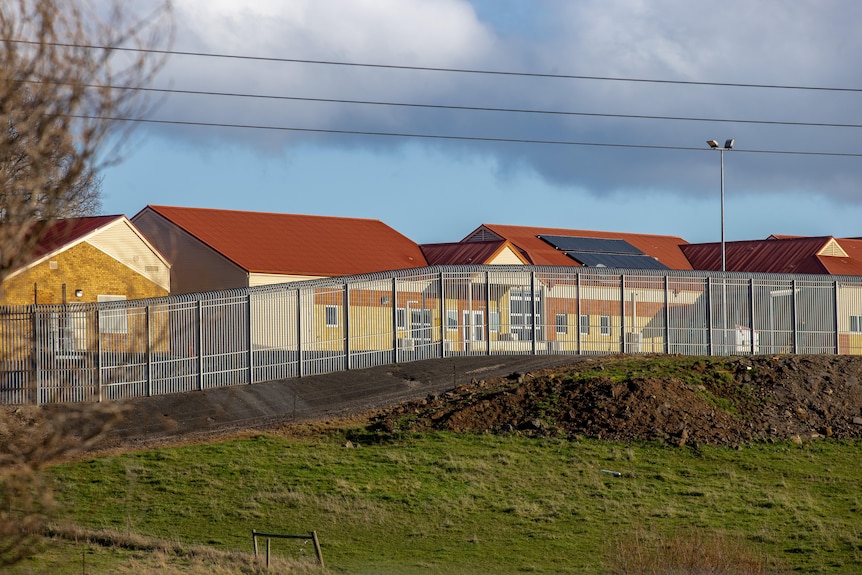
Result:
[80,267]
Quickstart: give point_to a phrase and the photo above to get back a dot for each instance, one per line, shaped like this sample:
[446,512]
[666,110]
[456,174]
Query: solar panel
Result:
[624,261]
[596,245]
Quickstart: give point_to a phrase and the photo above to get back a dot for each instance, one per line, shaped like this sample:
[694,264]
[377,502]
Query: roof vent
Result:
[833,249]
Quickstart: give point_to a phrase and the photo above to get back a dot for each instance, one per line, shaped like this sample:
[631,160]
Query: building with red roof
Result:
[212,249]
[781,254]
[563,247]
[88,259]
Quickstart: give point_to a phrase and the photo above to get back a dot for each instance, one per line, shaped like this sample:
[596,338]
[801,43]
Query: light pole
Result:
[728,145]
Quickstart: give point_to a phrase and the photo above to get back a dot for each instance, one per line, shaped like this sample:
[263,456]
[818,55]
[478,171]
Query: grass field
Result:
[469,504]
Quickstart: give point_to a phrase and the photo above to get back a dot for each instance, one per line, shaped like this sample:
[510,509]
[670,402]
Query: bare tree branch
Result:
[55,135]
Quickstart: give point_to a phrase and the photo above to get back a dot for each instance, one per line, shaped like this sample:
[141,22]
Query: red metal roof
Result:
[262,242]
[466,253]
[778,254]
[666,249]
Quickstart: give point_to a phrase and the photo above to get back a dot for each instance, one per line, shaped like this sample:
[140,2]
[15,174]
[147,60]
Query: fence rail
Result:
[124,349]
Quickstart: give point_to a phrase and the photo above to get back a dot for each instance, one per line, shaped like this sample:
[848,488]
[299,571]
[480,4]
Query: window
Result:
[494,321]
[113,320]
[605,325]
[332,316]
[525,313]
[562,323]
[401,318]
[856,323]
[585,325]
[451,319]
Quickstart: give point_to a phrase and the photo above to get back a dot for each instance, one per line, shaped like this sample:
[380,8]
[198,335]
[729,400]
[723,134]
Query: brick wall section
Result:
[81,267]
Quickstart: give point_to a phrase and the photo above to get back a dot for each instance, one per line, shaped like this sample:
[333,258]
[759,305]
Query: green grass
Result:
[475,504]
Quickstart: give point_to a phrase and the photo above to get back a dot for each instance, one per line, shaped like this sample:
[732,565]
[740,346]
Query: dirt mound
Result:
[722,401]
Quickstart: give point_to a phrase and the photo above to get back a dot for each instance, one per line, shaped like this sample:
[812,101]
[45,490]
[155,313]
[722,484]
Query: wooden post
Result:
[254,541]
[268,540]
[317,547]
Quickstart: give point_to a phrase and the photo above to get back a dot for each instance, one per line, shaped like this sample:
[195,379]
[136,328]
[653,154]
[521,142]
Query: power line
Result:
[452,137]
[475,108]
[447,70]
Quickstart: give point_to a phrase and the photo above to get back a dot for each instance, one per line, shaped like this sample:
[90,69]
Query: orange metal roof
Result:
[665,249]
[778,254]
[466,253]
[262,242]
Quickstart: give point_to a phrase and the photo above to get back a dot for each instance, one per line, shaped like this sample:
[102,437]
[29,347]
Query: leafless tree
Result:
[68,70]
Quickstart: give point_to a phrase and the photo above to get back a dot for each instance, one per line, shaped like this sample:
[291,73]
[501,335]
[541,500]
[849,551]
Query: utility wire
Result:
[448,70]
[473,108]
[451,137]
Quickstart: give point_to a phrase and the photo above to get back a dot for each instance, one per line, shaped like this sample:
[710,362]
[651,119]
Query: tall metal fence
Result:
[116,350]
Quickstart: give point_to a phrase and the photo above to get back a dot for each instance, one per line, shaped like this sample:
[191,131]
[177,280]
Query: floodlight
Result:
[728,144]
[712,143]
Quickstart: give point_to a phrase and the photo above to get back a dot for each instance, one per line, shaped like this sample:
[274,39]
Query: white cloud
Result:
[770,41]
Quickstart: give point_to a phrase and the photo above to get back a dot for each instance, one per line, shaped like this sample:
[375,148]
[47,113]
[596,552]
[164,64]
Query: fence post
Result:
[346,305]
[317,548]
[248,340]
[441,286]
[394,300]
[666,314]
[533,308]
[199,335]
[793,316]
[99,377]
[579,337]
[709,315]
[254,541]
[37,356]
[751,315]
[623,347]
[149,353]
[487,313]
[837,346]
[299,332]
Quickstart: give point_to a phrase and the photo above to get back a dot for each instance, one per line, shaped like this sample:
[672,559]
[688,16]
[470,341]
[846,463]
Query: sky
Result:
[715,70]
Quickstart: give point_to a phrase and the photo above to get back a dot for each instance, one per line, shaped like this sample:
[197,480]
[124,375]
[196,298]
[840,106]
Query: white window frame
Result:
[401,318]
[561,322]
[856,324]
[331,309]
[605,325]
[451,320]
[584,324]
